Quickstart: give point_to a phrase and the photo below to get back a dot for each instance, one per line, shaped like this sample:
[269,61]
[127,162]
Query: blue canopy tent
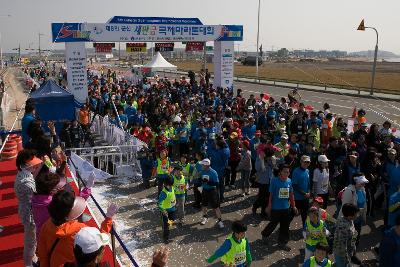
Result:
[54,103]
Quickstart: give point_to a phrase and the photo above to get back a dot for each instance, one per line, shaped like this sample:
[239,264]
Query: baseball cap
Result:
[234,135]
[285,136]
[90,240]
[361,180]
[323,158]
[319,200]
[77,209]
[305,158]
[205,162]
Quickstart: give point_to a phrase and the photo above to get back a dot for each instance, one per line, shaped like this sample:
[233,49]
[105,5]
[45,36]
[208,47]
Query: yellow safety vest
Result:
[316,234]
[169,201]
[236,254]
[180,185]
[313,262]
[162,168]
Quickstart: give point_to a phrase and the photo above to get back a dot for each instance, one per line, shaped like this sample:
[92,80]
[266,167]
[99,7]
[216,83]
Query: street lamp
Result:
[258,37]
[1,47]
[362,27]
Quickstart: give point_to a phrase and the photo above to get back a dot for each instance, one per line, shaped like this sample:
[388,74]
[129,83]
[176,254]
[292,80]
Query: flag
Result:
[85,168]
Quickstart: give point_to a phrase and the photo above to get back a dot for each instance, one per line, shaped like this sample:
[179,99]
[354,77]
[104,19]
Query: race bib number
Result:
[240,258]
[283,192]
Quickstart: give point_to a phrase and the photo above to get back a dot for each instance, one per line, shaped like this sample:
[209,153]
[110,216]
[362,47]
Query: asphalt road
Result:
[138,222]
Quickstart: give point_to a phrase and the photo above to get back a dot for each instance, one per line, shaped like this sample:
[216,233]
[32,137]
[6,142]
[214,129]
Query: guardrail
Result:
[114,234]
[306,85]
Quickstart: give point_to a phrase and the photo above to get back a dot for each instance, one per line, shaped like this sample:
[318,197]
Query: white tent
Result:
[158,63]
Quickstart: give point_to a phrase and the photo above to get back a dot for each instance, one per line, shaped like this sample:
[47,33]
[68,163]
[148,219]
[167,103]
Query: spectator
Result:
[57,235]
[26,121]
[24,186]
[389,249]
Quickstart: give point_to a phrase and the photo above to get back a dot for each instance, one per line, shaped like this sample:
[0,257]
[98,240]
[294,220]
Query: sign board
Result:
[154,20]
[194,46]
[75,54]
[136,47]
[115,32]
[103,47]
[209,48]
[164,47]
[223,64]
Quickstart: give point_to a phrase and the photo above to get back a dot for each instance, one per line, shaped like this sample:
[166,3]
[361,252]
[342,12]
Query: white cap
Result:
[90,240]
[285,136]
[177,119]
[361,180]
[305,158]
[205,162]
[323,158]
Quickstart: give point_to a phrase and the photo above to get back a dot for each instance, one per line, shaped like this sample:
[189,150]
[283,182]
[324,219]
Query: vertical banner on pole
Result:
[223,64]
[75,54]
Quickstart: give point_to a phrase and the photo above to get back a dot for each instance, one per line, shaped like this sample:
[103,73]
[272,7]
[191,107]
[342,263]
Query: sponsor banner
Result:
[103,47]
[75,55]
[223,64]
[194,46]
[136,47]
[164,47]
[115,32]
[154,20]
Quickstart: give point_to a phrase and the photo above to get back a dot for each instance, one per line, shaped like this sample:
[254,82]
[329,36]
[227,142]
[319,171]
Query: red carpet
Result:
[12,236]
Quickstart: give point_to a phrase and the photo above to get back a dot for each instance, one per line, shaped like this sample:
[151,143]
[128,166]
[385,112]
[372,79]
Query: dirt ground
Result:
[17,90]
[345,73]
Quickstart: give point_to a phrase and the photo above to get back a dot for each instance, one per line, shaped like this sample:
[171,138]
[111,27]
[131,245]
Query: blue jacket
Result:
[389,250]
[219,158]
[26,121]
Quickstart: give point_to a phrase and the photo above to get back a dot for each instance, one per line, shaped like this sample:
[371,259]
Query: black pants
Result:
[262,198]
[302,206]
[165,225]
[197,195]
[231,177]
[282,218]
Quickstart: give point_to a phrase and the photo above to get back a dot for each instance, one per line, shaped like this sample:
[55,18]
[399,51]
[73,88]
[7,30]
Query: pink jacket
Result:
[39,208]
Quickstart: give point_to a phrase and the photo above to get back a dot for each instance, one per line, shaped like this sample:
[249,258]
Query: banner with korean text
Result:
[136,47]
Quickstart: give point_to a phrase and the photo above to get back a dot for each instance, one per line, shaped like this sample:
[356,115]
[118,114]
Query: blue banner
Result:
[69,32]
[231,33]
[155,20]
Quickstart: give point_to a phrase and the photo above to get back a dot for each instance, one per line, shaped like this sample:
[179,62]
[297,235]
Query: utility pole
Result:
[204,56]
[40,51]
[258,37]
[119,50]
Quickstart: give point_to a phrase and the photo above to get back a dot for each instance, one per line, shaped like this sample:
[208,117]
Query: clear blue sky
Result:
[294,24]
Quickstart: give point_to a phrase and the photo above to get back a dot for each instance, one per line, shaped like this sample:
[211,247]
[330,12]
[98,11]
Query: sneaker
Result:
[220,224]
[204,221]
[243,194]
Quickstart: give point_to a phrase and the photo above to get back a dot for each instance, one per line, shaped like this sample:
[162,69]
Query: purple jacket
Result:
[39,208]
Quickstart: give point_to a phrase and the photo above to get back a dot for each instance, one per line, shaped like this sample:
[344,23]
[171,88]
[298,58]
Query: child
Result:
[180,187]
[235,251]
[320,258]
[167,205]
[162,169]
[245,167]
[314,232]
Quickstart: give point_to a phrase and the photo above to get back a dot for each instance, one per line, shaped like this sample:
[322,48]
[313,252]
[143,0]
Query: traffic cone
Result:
[354,114]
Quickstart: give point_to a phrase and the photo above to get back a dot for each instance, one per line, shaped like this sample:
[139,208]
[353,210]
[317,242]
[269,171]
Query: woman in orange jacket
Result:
[56,243]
